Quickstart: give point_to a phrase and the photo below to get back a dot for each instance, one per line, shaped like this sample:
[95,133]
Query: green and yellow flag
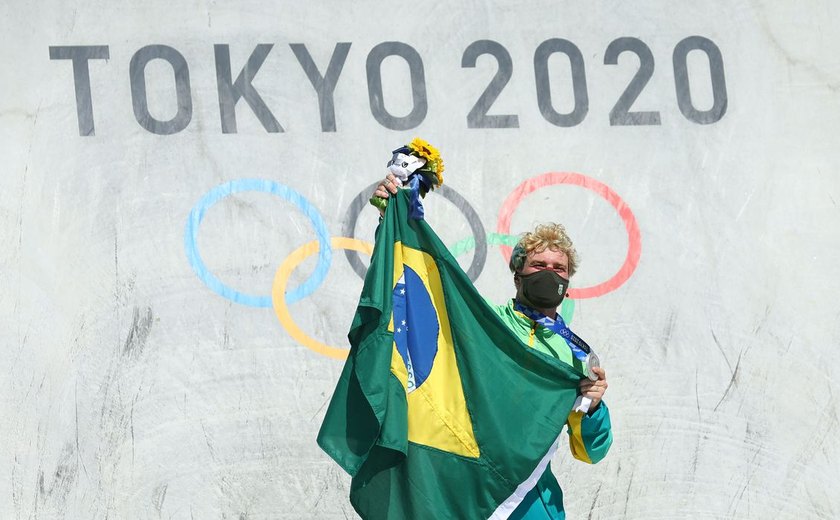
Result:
[440,411]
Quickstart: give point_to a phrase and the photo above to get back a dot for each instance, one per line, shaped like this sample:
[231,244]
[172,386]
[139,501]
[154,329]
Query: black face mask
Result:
[542,289]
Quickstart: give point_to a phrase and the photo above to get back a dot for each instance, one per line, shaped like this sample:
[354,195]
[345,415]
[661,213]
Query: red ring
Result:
[634,249]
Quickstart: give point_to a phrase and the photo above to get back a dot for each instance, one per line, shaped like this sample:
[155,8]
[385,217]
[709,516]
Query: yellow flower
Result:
[439,170]
[430,153]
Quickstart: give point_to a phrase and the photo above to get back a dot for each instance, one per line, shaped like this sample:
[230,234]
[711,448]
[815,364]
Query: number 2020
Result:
[620,114]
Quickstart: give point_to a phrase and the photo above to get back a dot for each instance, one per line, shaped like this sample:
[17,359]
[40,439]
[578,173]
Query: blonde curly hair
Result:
[544,236]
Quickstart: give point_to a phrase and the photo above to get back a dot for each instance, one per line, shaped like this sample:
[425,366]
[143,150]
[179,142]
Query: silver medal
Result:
[592,361]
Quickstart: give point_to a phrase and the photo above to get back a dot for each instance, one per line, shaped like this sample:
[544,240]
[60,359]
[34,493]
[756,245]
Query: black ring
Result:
[361,201]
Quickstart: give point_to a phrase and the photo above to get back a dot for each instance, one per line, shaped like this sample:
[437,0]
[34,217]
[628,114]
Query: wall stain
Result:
[732,381]
[722,351]
[159,496]
[138,334]
[55,491]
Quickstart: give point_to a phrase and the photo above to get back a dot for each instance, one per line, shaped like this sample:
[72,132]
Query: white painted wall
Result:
[131,390]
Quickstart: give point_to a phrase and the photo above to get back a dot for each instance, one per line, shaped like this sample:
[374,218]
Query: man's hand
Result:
[388,186]
[594,390]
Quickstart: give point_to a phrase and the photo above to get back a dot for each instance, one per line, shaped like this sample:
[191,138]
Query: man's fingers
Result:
[592,394]
[587,385]
[391,184]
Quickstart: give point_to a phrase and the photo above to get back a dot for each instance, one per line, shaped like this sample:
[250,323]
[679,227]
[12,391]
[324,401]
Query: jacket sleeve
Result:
[590,436]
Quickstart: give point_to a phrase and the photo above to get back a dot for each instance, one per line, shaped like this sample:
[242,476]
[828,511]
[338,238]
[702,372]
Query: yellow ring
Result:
[278,291]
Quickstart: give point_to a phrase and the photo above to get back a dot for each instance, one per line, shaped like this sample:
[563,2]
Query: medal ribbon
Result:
[580,349]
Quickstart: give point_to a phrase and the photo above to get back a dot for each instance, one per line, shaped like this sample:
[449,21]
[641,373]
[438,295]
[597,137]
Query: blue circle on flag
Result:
[416,327]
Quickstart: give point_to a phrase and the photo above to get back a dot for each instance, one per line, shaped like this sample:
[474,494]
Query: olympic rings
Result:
[262,185]
[634,249]
[479,237]
[280,302]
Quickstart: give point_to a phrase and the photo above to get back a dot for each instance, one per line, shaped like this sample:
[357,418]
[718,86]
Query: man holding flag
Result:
[448,407]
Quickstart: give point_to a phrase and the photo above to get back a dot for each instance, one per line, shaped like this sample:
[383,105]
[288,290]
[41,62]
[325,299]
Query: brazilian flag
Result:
[440,411]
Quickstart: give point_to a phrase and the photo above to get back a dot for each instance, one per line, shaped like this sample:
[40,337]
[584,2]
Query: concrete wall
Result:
[146,373]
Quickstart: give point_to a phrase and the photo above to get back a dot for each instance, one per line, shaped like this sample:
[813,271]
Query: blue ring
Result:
[267,186]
